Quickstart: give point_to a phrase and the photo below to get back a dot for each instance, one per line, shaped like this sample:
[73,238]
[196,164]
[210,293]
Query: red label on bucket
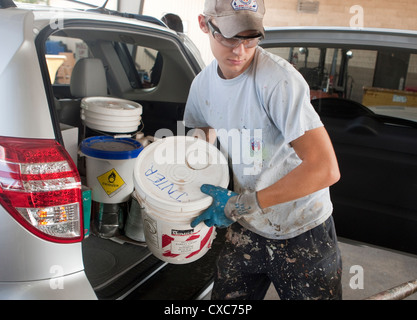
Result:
[188,248]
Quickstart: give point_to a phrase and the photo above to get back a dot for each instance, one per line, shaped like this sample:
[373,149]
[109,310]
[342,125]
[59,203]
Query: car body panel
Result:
[70,287]
[341,37]
[31,258]
[28,115]
[19,68]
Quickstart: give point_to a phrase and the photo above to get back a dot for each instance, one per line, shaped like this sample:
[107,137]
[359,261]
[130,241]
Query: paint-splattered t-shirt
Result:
[256,115]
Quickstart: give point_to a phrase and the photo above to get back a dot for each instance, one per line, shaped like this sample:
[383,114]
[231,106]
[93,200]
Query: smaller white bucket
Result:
[111,114]
[109,167]
[168,175]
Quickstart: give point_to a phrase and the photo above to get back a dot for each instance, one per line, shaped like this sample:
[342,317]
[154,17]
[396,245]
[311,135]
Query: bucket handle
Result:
[140,202]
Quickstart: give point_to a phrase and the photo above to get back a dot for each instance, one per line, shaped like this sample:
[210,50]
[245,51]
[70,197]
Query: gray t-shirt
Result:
[256,115]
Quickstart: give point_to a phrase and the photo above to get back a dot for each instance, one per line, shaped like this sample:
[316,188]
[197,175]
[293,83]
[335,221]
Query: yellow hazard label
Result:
[111,182]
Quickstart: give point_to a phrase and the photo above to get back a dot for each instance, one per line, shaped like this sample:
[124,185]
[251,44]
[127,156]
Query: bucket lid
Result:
[114,126]
[88,114]
[111,106]
[169,172]
[107,147]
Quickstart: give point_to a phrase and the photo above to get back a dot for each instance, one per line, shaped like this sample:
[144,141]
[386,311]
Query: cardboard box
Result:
[388,97]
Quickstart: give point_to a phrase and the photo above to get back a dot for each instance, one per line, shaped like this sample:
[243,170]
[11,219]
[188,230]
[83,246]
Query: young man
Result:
[258,106]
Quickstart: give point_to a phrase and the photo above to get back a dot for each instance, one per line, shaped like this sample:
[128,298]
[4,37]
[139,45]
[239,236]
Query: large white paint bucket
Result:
[167,175]
[109,167]
[111,114]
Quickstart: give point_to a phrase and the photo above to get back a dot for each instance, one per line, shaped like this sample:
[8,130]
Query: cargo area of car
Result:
[119,267]
[118,270]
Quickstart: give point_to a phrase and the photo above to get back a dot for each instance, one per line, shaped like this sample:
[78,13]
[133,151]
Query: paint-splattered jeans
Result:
[308,266]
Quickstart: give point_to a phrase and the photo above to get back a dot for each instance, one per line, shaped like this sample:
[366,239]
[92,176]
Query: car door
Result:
[375,199]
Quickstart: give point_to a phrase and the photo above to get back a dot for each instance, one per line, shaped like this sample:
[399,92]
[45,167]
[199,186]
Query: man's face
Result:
[232,61]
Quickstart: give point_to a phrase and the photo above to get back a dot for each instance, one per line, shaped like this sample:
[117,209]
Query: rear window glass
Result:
[142,65]
[384,81]
[61,55]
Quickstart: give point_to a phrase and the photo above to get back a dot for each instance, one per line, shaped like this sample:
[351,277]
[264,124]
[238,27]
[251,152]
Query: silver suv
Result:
[41,217]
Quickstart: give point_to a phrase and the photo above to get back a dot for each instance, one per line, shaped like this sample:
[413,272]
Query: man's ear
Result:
[202,23]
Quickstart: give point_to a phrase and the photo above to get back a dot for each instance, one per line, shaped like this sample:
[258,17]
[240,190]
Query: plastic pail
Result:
[109,167]
[111,114]
[168,175]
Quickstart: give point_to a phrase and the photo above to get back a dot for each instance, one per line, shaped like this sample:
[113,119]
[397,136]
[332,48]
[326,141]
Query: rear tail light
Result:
[41,188]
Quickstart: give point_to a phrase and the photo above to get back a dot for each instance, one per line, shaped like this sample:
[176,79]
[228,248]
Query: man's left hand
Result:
[227,207]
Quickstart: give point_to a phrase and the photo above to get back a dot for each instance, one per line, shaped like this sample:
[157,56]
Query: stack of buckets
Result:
[161,182]
[111,115]
[110,160]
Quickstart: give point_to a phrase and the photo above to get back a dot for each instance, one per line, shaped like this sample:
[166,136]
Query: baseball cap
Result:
[235,16]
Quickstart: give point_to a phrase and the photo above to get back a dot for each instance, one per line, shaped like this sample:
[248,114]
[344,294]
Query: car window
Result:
[147,63]
[383,80]
[61,55]
[142,65]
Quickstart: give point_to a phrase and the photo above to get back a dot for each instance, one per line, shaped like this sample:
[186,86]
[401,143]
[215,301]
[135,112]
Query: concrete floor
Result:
[381,269]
